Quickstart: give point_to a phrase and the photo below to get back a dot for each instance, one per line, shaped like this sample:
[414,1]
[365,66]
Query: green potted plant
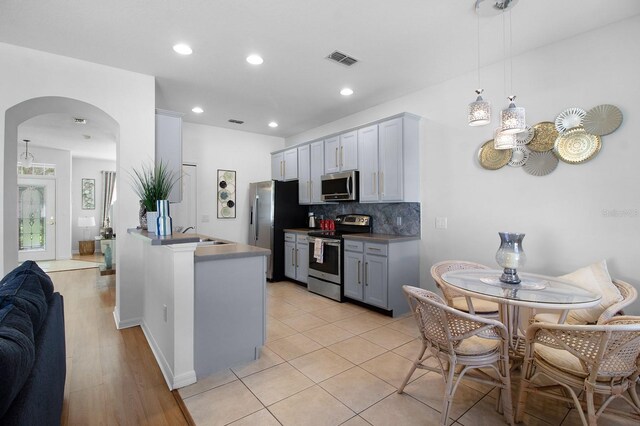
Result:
[152,183]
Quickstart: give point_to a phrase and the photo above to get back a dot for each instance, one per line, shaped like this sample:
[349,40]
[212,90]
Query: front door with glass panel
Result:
[36,219]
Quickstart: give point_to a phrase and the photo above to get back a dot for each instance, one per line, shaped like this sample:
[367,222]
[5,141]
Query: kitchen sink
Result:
[209,242]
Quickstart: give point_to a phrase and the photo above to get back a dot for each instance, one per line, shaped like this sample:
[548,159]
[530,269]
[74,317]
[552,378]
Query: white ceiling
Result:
[402,46]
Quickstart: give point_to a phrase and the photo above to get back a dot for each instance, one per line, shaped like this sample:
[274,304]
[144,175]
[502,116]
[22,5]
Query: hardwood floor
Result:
[112,376]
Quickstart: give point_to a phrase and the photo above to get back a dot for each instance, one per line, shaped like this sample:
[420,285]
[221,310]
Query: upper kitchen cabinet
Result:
[310,170]
[284,165]
[304,175]
[317,170]
[169,147]
[341,152]
[389,160]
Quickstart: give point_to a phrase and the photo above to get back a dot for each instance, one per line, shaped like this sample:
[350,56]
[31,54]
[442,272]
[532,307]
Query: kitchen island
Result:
[204,303]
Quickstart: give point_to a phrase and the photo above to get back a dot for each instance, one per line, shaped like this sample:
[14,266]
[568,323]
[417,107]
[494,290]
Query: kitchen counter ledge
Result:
[203,253]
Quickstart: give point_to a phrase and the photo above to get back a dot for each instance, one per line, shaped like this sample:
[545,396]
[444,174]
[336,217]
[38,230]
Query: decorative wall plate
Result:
[570,118]
[602,120]
[577,146]
[525,137]
[545,135]
[519,156]
[491,158]
[540,163]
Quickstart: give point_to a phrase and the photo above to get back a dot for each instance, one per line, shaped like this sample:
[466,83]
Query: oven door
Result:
[329,269]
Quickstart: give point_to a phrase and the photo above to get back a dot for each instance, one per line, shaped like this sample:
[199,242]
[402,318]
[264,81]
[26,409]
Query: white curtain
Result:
[108,187]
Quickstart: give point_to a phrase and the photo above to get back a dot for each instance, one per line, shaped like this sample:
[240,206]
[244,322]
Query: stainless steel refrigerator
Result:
[274,207]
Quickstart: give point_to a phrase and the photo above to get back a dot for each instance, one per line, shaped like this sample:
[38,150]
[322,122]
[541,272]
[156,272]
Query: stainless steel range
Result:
[326,272]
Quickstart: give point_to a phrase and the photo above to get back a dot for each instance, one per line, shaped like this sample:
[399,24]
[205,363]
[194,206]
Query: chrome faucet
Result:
[185,230]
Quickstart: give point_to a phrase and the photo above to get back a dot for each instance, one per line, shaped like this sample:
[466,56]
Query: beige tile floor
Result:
[327,363]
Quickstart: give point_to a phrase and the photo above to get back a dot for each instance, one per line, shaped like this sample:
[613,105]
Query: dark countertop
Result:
[374,238]
[228,250]
[301,230]
[381,238]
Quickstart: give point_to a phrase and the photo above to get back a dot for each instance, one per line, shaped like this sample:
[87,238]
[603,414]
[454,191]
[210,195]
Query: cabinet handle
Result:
[309,186]
[381,183]
[374,183]
[341,156]
[359,282]
[293,257]
[366,275]
[281,168]
[374,249]
[296,258]
[336,156]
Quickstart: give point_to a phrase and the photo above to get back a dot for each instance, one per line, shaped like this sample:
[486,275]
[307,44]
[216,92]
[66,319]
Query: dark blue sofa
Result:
[32,348]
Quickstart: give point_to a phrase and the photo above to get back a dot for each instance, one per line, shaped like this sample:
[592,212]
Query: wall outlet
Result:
[399,220]
[205,218]
[441,223]
[165,313]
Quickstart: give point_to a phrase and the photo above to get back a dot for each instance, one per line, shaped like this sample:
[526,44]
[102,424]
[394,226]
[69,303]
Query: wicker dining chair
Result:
[458,339]
[629,295]
[595,359]
[456,299]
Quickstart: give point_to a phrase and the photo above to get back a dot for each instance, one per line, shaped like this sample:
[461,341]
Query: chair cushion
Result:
[475,345]
[553,318]
[17,353]
[480,306]
[566,361]
[25,292]
[596,279]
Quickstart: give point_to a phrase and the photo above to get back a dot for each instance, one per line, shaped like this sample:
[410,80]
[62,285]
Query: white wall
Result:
[561,213]
[62,160]
[127,97]
[87,168]
[213,148]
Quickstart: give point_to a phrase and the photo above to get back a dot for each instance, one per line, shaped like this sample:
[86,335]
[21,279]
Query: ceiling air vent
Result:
[231,120]
[342,58]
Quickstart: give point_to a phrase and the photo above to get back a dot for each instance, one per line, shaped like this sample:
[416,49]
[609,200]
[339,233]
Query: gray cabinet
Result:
[169,147]
[388,160]
[296,256]
[284,165]
[310,171]
[304,175]
[374,272]
[341,152]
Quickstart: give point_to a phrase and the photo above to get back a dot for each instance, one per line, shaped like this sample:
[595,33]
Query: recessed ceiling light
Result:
[346,92]
[197,110]
[182,49]
[255,59]
[273,124]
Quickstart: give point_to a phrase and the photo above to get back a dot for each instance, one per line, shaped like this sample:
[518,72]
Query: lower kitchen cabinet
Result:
[296,256]
[374,273]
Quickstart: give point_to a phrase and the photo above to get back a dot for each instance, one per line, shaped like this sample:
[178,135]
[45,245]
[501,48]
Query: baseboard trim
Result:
[172,381]
[124,324]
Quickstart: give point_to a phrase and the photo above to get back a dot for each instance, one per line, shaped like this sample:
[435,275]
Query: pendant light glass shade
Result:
[26,158]
[502,140]
[512,118]
[479,111]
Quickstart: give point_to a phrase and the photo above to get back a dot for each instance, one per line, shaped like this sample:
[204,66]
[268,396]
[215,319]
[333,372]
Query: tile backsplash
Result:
[384,215]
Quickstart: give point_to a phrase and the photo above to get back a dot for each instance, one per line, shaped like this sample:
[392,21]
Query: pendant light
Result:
[479,110]
[512,118]
[502,140]
[26,158]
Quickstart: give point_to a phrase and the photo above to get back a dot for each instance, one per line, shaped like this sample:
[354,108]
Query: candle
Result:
[511,260]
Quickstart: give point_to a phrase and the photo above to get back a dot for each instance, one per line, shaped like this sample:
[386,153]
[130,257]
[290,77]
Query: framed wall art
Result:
[226,194]
[88,194]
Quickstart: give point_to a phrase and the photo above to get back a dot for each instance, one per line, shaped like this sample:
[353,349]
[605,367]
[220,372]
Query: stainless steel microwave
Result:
[340,186]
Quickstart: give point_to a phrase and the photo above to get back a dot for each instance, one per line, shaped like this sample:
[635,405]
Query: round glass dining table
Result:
[535,291]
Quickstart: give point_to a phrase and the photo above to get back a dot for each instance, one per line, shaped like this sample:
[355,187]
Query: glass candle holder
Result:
[510,256]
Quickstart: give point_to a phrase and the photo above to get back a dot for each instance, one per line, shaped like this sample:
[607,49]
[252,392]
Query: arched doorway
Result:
[14,117]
